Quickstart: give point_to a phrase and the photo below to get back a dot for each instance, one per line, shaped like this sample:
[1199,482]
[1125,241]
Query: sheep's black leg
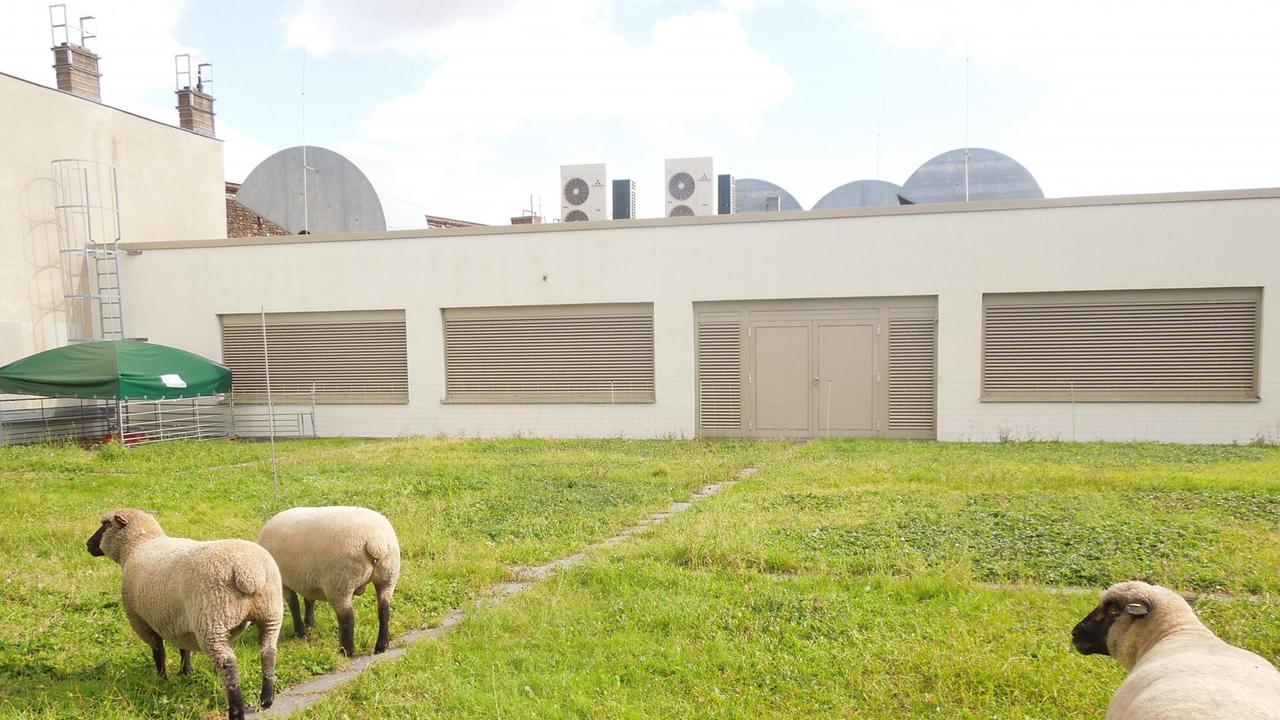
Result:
[311,613]
[299,630]
[235,703]
[186,662]
[157,655]
[151,638]
[268,633]
[384,626]
[384,619]
[346,627]
[224,659]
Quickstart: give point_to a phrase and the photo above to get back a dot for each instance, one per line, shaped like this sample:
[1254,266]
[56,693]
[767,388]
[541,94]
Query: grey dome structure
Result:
[992,176]
[860,193]
[762,196]
[339,197]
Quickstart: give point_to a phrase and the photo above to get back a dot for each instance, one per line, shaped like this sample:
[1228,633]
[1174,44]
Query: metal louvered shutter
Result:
[352,357]
[549,354]
[719,376]
[1126,346]
[912,372]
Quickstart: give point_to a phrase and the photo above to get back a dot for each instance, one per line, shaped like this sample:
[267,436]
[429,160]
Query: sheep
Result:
[195,596]
[1177,667]
[333,553]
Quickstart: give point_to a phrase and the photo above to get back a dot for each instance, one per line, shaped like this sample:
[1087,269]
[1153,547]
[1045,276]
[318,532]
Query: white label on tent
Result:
[173,381]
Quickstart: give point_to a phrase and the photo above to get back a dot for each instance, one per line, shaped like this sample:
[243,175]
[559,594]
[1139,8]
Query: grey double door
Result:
[813,368]
[814,378]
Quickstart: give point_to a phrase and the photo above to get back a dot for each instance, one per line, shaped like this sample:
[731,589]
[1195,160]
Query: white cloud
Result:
[512,94]
[406,26]
[241,153]
[135,41]
[1131,96]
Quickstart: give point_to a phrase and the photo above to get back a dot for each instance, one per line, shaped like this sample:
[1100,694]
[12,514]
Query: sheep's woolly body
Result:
[331,554]
[327,552]
[185,590]
[195,595]
[1178,669]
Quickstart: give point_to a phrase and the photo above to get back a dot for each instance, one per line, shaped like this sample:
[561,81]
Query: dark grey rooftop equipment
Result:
[860,193]
[755,196]
[339,197]
[992,176]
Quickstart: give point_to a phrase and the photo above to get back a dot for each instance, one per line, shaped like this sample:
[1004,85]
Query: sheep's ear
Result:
[1137,609]
[120,520]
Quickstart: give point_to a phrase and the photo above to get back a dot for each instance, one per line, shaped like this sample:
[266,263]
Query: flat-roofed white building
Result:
[1148,317]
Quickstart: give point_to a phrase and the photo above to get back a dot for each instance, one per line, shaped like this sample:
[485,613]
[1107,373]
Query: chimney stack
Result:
[75,66]
[195,106]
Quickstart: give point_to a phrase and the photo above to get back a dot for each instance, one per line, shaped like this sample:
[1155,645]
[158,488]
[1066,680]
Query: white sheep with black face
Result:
[1178,669]
[333,554]
[195,596]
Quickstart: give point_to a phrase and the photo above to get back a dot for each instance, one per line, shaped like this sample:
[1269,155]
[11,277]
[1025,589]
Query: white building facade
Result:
[1115,318]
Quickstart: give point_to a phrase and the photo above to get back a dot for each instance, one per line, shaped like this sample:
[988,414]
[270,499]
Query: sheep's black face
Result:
[95,542]
[1090,634]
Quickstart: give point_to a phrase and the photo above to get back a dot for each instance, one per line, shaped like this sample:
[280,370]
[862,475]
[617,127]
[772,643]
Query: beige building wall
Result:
[170,183]
[954,252]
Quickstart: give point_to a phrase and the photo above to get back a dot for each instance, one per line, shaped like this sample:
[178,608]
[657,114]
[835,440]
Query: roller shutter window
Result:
[913,345]
[1198,345]
[719,376]
[351,357]
[549,354]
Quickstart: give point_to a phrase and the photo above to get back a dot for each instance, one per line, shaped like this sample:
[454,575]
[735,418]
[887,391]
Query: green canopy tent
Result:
[109,377]
[115,370]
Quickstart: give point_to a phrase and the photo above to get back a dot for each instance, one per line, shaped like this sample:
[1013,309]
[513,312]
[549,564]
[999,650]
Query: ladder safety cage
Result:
[87,215]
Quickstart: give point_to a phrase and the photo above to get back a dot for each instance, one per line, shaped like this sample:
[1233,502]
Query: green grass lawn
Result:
[465,513]
[859,579]
[844,579]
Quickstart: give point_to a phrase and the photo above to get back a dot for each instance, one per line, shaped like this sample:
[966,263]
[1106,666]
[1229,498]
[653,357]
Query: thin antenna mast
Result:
[883,106]
[306,215]
[271,409]
[966,127]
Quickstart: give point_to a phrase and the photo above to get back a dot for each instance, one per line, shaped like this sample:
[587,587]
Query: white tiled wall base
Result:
[962,417]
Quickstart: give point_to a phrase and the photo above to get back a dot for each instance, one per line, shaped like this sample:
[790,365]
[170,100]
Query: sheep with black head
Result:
[1178,669]
[195,596]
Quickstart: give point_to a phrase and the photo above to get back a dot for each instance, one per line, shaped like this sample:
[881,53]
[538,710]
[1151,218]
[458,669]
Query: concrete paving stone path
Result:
[302,696]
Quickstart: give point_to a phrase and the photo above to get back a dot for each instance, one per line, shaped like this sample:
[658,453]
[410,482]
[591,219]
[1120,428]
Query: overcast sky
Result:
[465,109]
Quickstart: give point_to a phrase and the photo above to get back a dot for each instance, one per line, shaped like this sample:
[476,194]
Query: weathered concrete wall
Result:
[170,183]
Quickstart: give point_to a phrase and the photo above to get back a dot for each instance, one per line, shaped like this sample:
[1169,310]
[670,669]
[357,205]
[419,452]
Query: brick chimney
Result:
[195,106]
[526,220]
[74,64]
[195,111]
[77,71]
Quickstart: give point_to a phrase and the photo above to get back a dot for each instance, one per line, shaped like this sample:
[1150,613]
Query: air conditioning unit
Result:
[624,199]
[584,193]
[727,195]
[690,187]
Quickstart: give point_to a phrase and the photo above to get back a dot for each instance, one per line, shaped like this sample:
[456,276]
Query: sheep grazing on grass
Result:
[195,596]
[1178,669]
[333,553]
